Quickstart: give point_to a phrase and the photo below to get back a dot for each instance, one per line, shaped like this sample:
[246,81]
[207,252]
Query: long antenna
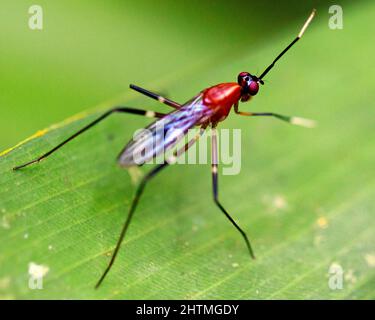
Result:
[311,16]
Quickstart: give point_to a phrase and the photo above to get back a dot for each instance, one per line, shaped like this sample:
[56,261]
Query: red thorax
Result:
[221,98]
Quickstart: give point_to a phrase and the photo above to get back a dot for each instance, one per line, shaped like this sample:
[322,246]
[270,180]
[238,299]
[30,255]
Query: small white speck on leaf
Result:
[279,202]
[4,282]
[370,259]
[275,203]
[37,271]
[26,236]
[5,222]
[322,222]
[50,247]
[235,265]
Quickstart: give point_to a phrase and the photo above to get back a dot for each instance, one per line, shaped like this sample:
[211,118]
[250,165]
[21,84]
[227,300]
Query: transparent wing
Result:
[165,133]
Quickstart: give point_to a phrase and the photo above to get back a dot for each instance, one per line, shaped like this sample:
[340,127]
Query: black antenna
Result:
[289,46]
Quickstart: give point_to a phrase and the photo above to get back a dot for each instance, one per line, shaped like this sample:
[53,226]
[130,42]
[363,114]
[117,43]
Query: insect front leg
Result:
[150,114]
[156,96]
[292,120]
[214,168]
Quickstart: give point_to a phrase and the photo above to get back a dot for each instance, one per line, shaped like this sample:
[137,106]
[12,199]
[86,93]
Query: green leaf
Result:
[304,196]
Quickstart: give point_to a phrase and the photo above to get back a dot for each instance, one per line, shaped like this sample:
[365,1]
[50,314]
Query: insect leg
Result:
[292,120]
[137,196]
[151,114]
[214,168]
[191,142]
[155,96]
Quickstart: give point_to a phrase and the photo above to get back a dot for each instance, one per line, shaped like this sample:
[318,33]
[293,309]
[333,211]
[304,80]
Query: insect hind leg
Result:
[138,194]
[125,227]
[216,194]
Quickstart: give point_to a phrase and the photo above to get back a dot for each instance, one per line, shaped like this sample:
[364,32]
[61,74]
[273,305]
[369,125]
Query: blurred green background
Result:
[89,51]
[304,196]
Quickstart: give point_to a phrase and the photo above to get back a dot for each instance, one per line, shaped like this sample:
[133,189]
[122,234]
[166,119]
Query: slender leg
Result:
[151,114]
[182,150]
[214,167]
[137,196]
[292,120]
[155,96]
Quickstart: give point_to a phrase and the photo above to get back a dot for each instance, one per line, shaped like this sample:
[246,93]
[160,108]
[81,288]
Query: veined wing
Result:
[164,133]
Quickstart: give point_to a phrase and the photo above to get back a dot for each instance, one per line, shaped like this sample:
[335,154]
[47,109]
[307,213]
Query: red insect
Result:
[206,109]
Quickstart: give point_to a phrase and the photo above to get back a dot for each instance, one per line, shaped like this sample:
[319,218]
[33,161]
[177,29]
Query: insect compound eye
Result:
[243,78]
[253,88]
